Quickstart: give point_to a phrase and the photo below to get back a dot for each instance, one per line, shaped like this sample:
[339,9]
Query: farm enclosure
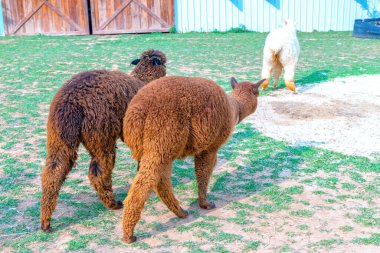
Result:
[270,194]
[144,16]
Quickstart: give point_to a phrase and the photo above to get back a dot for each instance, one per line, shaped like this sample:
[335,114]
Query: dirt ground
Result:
[341,115]
[300,175]
[289,212]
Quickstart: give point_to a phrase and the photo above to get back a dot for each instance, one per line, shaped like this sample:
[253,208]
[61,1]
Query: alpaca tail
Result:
[68,119]
[133,131]
[276,55]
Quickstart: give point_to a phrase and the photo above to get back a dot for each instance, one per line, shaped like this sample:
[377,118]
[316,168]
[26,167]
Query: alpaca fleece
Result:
[281,51]
[172,118]
[89,109]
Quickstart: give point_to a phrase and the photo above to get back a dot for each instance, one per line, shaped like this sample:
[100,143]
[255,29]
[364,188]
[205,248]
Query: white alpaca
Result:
[281,51]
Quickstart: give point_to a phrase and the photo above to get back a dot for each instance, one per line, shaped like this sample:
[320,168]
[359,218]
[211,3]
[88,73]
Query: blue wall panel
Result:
[1,21]
[264,15]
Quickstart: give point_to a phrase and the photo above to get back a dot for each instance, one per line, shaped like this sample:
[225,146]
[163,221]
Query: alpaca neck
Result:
[291,31]
[141,76]
[241,106]
[235,108]
[147,73]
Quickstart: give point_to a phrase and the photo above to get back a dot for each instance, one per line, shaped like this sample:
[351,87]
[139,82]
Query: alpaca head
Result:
[245,93]
[150,66]
[290,25]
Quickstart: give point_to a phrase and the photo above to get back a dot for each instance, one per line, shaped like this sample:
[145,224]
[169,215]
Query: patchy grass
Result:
[302,213]
[253,245]
[263,188]
[374,239]
[346,228]
[329,243]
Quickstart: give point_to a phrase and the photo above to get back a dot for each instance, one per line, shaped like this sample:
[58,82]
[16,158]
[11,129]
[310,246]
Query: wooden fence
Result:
[45,17]
[131,16]
[23,17]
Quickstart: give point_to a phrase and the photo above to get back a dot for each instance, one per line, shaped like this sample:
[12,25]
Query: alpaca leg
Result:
[289,77]
[58,165]
[164,190]
[277,70]
[265,73]
[142,185]
[100,175]
[204,164]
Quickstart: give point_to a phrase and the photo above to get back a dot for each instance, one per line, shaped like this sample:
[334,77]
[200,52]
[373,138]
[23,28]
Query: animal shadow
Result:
[245,177]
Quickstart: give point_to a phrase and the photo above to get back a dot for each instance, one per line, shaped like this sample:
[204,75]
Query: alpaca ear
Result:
[234,82]
[156,61]
[258,84]
[135,62]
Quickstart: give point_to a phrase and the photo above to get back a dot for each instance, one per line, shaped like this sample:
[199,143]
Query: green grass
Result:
[253,196]
[253,245]
[374,239]
[368,217]
[346,228]
[284,248]
[80,242]
[200,224]
[302,213]
[348,186]
[303,227]
[329,243]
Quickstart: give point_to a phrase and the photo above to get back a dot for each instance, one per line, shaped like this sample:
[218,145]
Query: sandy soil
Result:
[341,115]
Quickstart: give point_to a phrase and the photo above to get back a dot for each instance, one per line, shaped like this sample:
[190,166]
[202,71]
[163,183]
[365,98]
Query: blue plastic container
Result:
[367,28]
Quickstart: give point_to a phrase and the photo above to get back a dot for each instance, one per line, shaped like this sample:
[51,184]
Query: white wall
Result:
[264,15]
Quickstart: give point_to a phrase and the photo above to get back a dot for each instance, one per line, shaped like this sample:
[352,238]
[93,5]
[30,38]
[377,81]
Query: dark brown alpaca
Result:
[89,109]
[172,118]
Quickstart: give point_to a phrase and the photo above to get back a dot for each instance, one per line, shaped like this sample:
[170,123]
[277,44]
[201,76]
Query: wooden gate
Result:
[131,16]
[45,17]
[72,16]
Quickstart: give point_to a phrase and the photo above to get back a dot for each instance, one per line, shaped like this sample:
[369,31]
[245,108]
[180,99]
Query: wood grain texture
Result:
[58,17]
[128,17]
[132,16]
[108,16]
[171,13]
[135,11]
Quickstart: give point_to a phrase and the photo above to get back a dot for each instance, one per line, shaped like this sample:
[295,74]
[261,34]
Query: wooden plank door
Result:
[131,16]
[56,17]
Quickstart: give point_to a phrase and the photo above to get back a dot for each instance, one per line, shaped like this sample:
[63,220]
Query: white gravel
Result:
[341,115]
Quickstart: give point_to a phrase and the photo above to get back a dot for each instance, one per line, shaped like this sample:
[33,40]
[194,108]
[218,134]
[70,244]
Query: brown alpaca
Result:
[172,118]
[89,109]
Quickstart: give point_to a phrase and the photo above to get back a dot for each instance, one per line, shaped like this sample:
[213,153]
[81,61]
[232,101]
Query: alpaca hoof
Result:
[265,84]
[46,229]
[184,214]
[117,205]
[209,206]
[130,239]
[291,86]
